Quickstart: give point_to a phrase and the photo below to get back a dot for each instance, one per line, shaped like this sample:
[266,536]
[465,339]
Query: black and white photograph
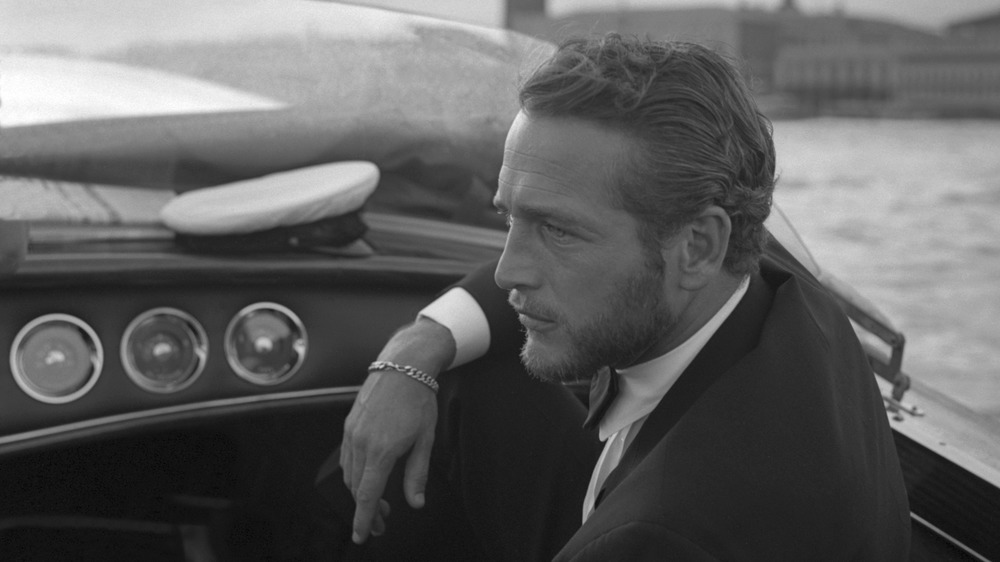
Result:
[499,280]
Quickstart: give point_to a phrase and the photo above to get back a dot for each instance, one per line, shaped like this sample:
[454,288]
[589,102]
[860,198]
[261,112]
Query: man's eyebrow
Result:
[545,212]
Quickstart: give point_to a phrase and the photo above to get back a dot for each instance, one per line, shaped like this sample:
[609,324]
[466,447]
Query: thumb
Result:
[417,466]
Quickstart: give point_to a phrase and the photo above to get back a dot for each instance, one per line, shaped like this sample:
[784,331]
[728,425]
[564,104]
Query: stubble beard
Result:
[627,326]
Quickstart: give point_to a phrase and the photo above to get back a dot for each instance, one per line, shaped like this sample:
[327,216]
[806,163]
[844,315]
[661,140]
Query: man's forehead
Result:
[525,170]
[558,155]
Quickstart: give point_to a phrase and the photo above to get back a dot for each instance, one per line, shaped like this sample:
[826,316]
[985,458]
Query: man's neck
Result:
[697,311]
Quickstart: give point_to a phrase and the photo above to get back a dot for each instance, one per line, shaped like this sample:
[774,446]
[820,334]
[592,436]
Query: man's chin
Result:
[550,362]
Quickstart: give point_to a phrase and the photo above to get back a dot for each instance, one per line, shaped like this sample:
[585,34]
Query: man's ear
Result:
[704,243]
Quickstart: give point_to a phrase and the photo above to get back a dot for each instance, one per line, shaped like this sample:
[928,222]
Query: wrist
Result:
[411,372]
[424,345]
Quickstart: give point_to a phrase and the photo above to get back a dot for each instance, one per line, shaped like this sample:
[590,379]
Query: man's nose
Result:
[517,268]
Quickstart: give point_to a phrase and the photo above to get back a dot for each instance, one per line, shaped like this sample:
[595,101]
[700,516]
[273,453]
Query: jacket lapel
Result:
[736,337]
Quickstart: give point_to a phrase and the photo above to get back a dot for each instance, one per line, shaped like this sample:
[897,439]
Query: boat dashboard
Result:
[103,342]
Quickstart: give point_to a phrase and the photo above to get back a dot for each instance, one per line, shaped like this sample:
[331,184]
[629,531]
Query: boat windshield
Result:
[110,109]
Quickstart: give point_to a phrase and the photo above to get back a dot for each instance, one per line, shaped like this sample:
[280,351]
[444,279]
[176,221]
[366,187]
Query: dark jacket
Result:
[773,444]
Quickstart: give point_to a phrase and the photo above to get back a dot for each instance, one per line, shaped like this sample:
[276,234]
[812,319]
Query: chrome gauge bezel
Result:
[199,342]
[92,341]
[231,354]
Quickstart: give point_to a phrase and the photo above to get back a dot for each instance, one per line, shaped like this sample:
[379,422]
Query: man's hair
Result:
[697,134]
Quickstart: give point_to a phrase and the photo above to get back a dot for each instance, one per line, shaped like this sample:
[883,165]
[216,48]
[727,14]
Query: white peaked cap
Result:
[290,198]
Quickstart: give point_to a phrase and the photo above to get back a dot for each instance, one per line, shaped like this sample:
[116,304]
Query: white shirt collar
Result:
[642,386]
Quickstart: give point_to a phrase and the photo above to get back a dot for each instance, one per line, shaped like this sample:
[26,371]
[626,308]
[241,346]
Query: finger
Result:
[355,457]
[378,525]
[417,466]
[367,500]
[346,465]
[357,470]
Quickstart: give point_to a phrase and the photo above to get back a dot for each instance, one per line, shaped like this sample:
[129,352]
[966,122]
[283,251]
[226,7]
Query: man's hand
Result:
[393,415]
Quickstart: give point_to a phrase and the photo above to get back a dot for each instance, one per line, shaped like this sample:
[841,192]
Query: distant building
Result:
[981,29]
[831,63]
[954,80]
[859,78]
[960,77]
[520,11]
[957,75]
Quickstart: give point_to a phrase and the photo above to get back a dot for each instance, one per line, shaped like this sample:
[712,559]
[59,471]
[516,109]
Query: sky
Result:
[934,14]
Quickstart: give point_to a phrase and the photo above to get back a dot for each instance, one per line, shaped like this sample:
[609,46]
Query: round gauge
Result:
[164,350]
[56,358]
[265,343]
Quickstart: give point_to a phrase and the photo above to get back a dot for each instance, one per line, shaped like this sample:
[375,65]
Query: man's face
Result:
[583,285]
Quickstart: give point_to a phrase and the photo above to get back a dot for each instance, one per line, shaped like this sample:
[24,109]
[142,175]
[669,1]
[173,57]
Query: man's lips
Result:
[532,320]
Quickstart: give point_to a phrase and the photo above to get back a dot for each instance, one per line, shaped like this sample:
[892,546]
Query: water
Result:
[908,212]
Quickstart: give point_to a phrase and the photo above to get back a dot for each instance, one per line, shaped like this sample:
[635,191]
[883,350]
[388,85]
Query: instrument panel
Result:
[57,358]
[91,356]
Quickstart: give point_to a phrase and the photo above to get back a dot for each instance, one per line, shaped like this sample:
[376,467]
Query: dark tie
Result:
[603,389]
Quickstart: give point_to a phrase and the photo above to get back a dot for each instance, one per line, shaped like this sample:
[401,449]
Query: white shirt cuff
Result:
[461,314]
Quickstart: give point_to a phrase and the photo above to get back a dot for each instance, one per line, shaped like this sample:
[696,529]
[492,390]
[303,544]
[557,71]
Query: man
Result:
[746,424]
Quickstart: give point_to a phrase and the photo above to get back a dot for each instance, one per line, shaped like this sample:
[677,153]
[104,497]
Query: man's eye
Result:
[556,232]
